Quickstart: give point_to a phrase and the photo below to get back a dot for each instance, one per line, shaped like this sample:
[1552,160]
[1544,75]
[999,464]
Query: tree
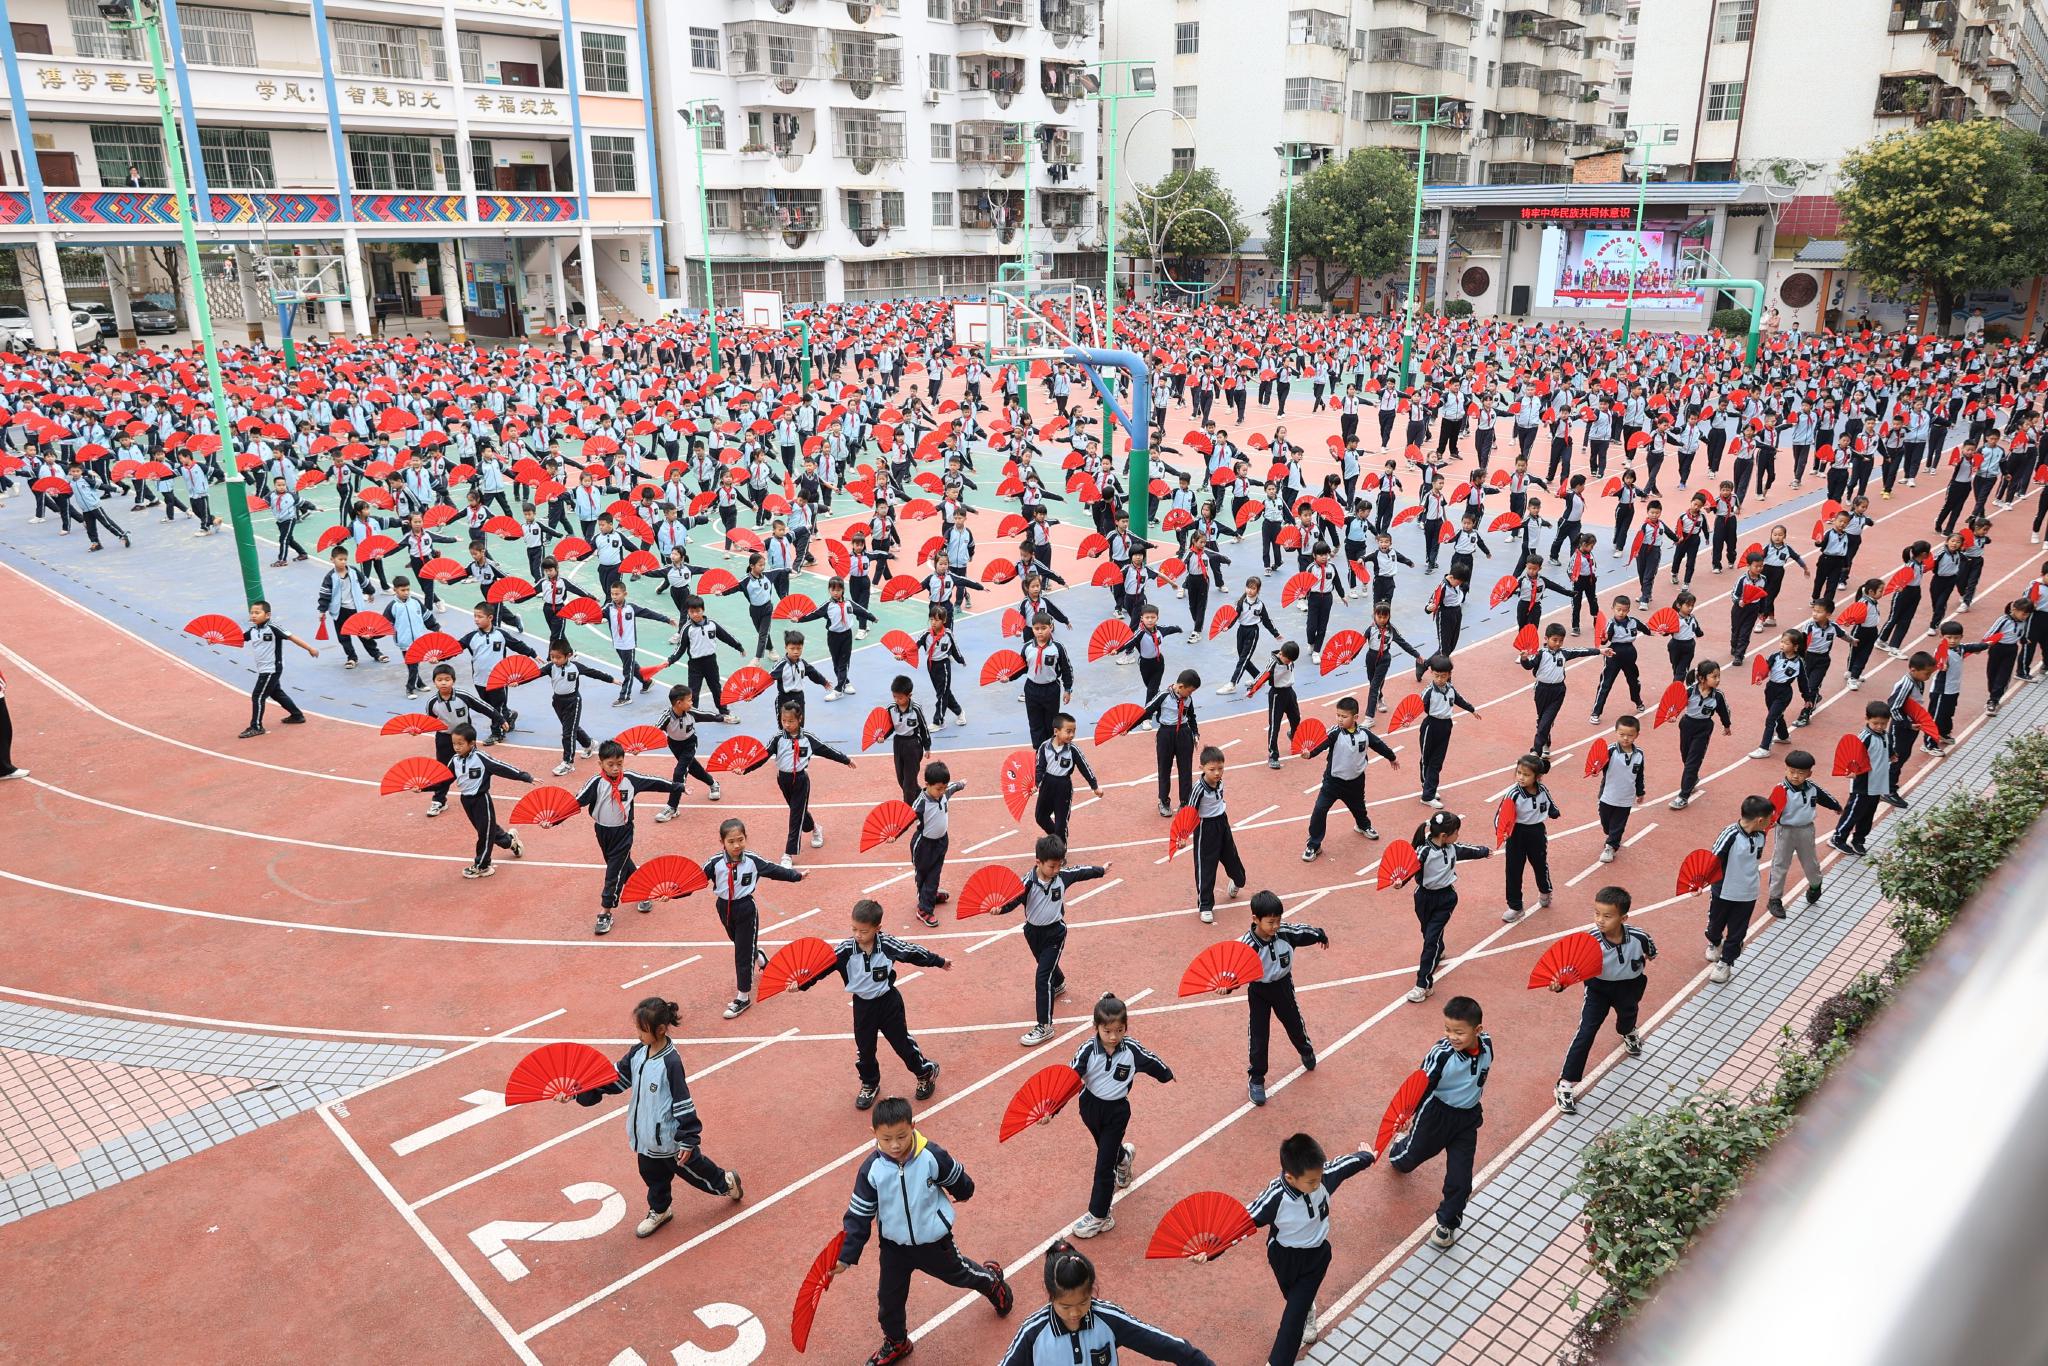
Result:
[1186,215]
[1351,217]
[1945,209]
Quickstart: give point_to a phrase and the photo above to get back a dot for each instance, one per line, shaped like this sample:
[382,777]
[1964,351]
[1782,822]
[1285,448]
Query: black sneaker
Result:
[1257,1092]
[604,923]
[250,733]
[1308,1061]
[1000,1297]
[929,918]
[928,1082]
[1633,1042]
[866,1097]
[1813,892]
[1777,909]
[297,718]
[891,1350]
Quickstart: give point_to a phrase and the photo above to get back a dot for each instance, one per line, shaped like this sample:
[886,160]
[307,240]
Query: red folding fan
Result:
[816,1282]
[1044,1094]
[544,806]
[987,889]
[1295,587]
[558,1069]
[664,879]
[885,823]
[1922,719]
[745,684]
[714,581]
[1222,967]
[1671,703]
[1013,624]
[1574,958]
[1401,1109]
[640,739]
[796,964]
[876,728]
[1407,710]
[1107,575]
[1853,616]
[1225,618]
[512,589]
[1699,870]
[1398,864]
[1093,544]
[1341,649]
[413,723]
[1109,636]
[1525,640]
[1664,622]
[1504,821]
[1205,1224]
[899,588]
[1503,590]
[215,629]
[1309,734]
[1001,667]
[581,610]
[899,644]
[366,625]
[414,775]
[794,606]
[1019,779]
[1760,669]
[736,755]
[432,648]
[1185,823]
[441,569]
[1596,757]
[1116,721]
[511,671]
[1851,759]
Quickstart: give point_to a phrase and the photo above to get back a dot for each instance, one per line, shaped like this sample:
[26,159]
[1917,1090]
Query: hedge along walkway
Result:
[1499,1294]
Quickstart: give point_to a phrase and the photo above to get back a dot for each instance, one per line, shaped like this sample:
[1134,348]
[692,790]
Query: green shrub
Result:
[1458,308]
[1735,320]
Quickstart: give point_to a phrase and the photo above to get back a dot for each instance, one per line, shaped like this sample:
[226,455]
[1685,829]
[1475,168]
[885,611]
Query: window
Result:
[942,142]
[1316,26]
[217,37]
[480,160]
[611,165]
[722,209]
[1183,160]
[470,49]
[892,208]
[391,161]
[32,38]
[1187,39]
[941,10]
[1734,21]
[92,37]
[1627,51]
[938,71]
[942,208]
[1358,106]
[1724,101]
[604,64]
[1309,93]
[704,49]
[117,146]
[404,54]
[237,158]
[1184,100]
[713,131]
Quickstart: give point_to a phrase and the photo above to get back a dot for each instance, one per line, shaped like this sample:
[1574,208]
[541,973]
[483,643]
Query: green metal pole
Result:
[803,360]
[291,348]
[1756,309]
[704,226]
[1007,271]
[1287,240]
[1628,310]
[1141,455]
[150,22]
[1414,246]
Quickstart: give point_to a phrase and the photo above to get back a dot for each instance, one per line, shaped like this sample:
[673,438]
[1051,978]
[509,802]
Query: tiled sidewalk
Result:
[1499,1295]
[87,1101]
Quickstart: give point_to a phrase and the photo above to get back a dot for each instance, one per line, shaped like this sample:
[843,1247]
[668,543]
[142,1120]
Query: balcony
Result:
[1068,21]
[2002,81]
[1057,81]
[1322,28]
[868,139]
[864,11]
[984,142]
[784,55]
[871,215]
[1002,17]
[792,215]
[1923,16]
[1408,47]
[991,78]
[781,135]
[866,63]
[992,211]
[1063,211]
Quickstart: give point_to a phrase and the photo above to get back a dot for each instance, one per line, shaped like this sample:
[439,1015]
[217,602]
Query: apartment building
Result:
[486,161]
[855,149]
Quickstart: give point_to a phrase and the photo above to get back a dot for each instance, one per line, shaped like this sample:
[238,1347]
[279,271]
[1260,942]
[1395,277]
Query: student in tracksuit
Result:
[678,725]
[1295,1212]
[264,642]
[1740,849]
[1109,1063]
[1381,636]
[791,750]
[910,739]
[1449,1117]
[661,1118]
[1345,749]
[1147,645]
[1440,702]
[905,1191]
[1548,666]
[791,672]
[1281,703]
[929,837]
[1274,939]
[345,591]
[1784,676]
[1174,741]
[841,619]
[1438,853]
[701,638]
[1624,952]
[941,649]
[1797,801]
[565,675]
[1048,680]
[1868,789]
[487,647]
[1251,615]
[1214,844]
[1529,841]
[1326,585]
[1704,704]
[1058,759]
[1044,899]
[1618,643]
[866,962]
[608,797]
[1621,785]
[1077,1326]
[473,770]
[734,874]
[2002,644]
[410,619]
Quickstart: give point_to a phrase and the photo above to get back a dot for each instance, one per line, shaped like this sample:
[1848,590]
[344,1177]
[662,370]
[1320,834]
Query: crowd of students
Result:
[613,472]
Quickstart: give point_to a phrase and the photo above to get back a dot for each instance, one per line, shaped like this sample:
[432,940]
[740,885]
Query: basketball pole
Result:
[147,15]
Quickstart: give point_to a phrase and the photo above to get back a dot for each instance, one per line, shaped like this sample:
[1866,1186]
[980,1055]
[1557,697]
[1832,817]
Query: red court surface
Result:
[157,868]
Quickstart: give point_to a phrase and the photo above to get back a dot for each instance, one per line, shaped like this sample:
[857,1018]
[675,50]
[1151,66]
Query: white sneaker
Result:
[1720,972]
[1511,915]
[938,723]
[847,691]
[1759,753]
[1124,1165]
[1208,917]
[1225,689]
[788,860]
[1315,656]
[714,794]
[1312,1329]
[564,767]
[1036,1035]
[831,694]
[665,815]
[435,808]
[737,1007]
[817,837]
[654,1220]
[1713,953]
[1088,1226]
[1607,853]
[1417,995]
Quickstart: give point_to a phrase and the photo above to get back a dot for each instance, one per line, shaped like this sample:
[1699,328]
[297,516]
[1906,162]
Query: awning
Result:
[1823,253]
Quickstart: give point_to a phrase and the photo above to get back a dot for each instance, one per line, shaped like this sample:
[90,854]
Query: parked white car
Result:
[85,329]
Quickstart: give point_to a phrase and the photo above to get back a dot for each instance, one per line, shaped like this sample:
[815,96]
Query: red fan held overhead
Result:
[1206,1224]
[413,723]
[1185,822]
[815,1283]
[1108,637]
[987,889]
[1044,1094]
[1572,959]
[414,775]
[1001,667]
[215,629]
[1222,967]
[1851,759]
[876,728]
[1671,704]
[796,964]
[1398,864]
[1699,870]
[664,879]
[555,1070]
[1401,1110]
[736,755]
[1596,757]
[1019,779]
[885,824]
[1116,721]
[1406,711]
[745,685]
[544,807]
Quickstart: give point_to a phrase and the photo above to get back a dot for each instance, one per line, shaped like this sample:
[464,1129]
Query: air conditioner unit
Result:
[931,97]
[1357,54]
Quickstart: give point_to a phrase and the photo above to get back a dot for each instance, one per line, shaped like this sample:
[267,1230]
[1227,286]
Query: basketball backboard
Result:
[761,308]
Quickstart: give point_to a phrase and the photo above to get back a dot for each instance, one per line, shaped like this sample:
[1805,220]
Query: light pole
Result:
[1099,83]
[1420,112]
[1642,137]
[699,115]
[147,15]
[1289,153]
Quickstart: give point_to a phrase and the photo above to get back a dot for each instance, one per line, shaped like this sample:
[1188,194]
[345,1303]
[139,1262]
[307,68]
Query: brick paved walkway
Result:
[1499,1295]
